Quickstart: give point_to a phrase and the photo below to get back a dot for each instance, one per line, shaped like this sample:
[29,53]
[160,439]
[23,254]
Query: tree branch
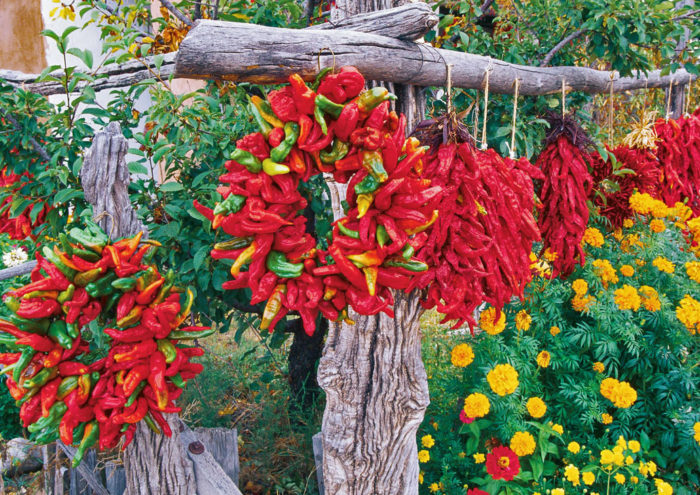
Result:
[550,54]
[692,13]
[35,144]
[485,6]
[176,12]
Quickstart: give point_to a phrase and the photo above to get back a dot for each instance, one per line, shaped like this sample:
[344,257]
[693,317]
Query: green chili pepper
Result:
[411,266]
[318,116]
[371,98]
[382,236]
[22,363]
[30,393]
[55,414]
[84,278]
[6,339]
[92,431]
[66,295]
[73,330]
[80,430]
[101,287]
[168,349]
[328,106]
[113,299]
[65,244]
[89,242]
[90,256]
[180,335]
[235,243]
[34,326]
[151,424]
[59,332]
[135,394]
[337,152]
[264,126]
[291,134]
[348,232]
[367,185]
[232,204]
[277,263]
[407,252]
[55,260]
[273,168]
[68,384]
[319,77]
[12,303]
[125,284]
[374,164]
[247,159]
[40,378]
[177,380]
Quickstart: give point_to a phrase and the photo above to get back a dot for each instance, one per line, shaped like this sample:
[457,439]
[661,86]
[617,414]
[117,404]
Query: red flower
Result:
[464,418]
[502,463]
[476,491]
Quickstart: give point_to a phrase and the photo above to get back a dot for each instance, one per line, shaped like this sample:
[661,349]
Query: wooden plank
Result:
[266,55]
[115,478]
[16,271]
[317,441]
[82,469]
[223,445]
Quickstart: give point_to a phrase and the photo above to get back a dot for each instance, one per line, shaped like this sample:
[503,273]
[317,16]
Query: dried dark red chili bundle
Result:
[93,391]
[679,155]
[354,135]
[478,249]
[21,225]
[566,187]
[635,169]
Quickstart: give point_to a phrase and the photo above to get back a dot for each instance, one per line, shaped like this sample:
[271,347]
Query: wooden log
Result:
[222,443]
[406,22]
[16,271]
[85,472]
[115,478]
[317,441]
[266,55]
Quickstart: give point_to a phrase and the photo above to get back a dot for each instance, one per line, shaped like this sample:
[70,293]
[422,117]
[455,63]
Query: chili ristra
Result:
[70,388]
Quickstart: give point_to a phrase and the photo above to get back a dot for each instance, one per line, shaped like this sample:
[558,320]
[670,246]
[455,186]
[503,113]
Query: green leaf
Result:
[171,187]
[19,204]
[200,256]
[36,209]
[65,195]
[137,168]
[84,56]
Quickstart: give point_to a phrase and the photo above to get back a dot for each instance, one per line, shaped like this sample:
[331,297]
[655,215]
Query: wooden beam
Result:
[16,271]
[266,55]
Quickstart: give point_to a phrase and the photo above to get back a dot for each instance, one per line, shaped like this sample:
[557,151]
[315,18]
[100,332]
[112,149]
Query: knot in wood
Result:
[196,447]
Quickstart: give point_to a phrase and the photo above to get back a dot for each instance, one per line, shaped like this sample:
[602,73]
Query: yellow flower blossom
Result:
[479,458]
[571,473]
[543,359]
[647,468]
[662,487]
[536,407]
[581,304]
[605,272]
[621,394]
[427,441]
[627,270]
[657,225]
[423,456]
[598,367]
[554,330]
[620,478]
[688,313]
[692,268]
[522,443]
[588,478]
[628,223]
[593,237]
[476,405]
[557,491]
[488,323]
[627,298]
[634,479]
[433,487]
[503,379]
[663,264]
[462,355]
[606,419]
[550,255]
[574,447]
[607,457]
[558,428]
[696,431]
[634,446]
[650,298]
[523,320]
[580,287]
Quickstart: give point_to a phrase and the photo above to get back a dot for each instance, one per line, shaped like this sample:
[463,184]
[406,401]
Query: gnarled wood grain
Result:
[266,55]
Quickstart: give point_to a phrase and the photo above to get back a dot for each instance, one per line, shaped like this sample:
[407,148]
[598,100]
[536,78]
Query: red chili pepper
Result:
[69,368]
[156,379]
[304,98]
[37,342]
[254,143]
[137,351]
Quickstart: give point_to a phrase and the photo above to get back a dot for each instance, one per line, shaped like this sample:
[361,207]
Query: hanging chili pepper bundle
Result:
[93,390]
[339,129]
[18,224]
[679,155]
[634,170]
[566,187]
[478,249]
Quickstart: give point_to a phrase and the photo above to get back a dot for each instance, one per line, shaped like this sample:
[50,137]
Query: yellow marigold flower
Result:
[503,379]
[627,270]
[639,262]
[621,442]
[662,487]
[593,237]
[588,477]
[634,446]
[543,359]
[580,286]
[608,386]
[476,405]
[581,304]
[628,460]
[605,272]
[554,330]
[657,225]
[550,255]
[620,478]
[558,428]
[536,407]
[571,473]
[427,441]
[598,367]
[522,443]
[659,209]
[606,419]
[479,458]
[650,298]
[617,234]
[692,268]
[688,313]
[634,479]
[423,456]
[420,477]
[696,431]
[574,447]
[618,456]
[557,491]
[663,264]
[462,455]
[641,203]
[434,487]
[623,395]
[435,425]
[681,211]
[523,320]
[462,355]
[488,323]
[627,298]
[607,456]
[630,242]
[628,223]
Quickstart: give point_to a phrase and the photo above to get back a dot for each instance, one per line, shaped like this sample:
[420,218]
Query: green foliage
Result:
[648,348]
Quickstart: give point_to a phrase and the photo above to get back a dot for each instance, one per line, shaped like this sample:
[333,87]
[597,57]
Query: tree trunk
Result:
[676,104]
[375,382]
